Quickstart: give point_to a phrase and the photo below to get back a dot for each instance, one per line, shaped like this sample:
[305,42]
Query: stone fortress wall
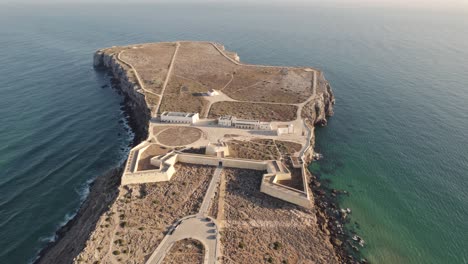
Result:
[165,164]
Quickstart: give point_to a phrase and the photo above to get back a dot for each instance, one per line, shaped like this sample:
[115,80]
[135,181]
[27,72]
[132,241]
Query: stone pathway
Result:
[200,227]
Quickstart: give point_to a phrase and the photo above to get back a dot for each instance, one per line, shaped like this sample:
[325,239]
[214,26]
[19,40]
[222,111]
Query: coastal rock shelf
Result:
[244,161]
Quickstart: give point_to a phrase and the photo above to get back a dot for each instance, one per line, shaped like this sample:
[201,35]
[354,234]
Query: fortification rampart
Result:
[274,172]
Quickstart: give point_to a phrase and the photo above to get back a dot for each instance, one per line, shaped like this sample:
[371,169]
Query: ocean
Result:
[397,143]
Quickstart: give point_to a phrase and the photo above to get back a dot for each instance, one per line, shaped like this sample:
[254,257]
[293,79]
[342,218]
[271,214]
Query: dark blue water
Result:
[397,142]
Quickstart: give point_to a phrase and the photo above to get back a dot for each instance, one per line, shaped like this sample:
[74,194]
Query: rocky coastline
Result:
[332,220]
[330,216]
[72,237]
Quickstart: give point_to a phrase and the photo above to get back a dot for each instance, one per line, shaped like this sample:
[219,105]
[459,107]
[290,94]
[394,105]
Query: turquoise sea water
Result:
[397,142]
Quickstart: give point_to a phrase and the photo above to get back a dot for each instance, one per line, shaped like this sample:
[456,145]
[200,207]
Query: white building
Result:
[243,123]
[264,126]
[179,117]
[212,92]
[225,121]
[285,129]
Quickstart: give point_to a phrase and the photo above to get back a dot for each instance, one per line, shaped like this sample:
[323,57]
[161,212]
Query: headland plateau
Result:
[218,172]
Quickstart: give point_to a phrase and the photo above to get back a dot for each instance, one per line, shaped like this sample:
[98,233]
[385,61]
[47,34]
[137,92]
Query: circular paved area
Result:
[179,136]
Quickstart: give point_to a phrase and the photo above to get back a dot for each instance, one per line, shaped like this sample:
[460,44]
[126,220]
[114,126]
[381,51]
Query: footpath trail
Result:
[312,97]
[140,82]
[299,106]
[199,227]
[168,76]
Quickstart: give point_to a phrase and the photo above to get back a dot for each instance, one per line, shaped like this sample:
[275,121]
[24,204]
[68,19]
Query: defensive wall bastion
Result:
[275,172]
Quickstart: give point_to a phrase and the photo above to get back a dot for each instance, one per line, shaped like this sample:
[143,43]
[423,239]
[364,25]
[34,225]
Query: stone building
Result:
[232,121]
[225,121]
[212,92]
[179,117]
[285,129]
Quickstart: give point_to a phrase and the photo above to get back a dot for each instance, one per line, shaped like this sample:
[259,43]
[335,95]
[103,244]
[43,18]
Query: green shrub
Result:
[277,245]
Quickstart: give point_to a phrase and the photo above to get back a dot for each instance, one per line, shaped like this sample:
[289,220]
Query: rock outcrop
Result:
[316,111]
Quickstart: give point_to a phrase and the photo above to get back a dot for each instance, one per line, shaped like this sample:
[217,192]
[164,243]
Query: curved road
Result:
[199,227]
[203,229]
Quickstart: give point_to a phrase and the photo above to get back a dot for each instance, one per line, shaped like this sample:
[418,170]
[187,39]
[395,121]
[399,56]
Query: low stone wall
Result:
[285,193]
[245,164]
[226,162]
[145,177]
[197,159]
[282,177]
[305,180]
[268,186]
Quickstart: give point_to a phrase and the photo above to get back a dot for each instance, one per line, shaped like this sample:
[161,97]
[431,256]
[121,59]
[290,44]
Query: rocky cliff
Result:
[72,237]
[124,80]
[316,111]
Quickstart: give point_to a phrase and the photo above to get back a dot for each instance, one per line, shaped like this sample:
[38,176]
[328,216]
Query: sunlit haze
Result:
[423,4]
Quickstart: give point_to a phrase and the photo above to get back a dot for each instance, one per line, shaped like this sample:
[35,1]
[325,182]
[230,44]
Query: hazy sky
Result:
[396,3]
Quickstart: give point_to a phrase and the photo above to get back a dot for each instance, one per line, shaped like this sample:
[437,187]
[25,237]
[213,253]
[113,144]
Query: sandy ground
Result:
[179,136]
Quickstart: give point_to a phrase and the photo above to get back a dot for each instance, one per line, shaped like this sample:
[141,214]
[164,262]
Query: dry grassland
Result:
[265,84]
[151,61]
[136,223]
[263,229]
[199,67]
[262,112]
[186,251]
